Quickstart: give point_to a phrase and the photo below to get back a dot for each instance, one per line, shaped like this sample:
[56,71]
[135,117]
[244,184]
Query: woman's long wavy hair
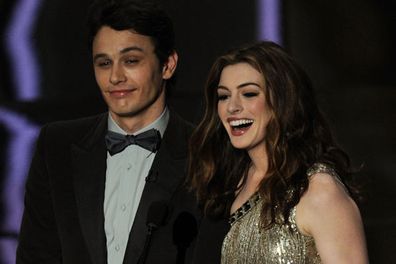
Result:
[297,136]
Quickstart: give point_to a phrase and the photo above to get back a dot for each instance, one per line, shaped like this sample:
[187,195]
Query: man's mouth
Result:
[120,93]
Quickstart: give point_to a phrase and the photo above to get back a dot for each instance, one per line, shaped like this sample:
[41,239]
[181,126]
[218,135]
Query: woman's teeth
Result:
[241,122]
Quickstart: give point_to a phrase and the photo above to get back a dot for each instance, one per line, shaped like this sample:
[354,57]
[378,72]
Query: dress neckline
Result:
[255,198]
[245,207]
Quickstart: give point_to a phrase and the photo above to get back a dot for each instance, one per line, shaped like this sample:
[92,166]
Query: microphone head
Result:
[157,214]
[184,230]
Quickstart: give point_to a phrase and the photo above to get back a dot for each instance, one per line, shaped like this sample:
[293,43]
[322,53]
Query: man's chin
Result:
[137,110]
[125,113]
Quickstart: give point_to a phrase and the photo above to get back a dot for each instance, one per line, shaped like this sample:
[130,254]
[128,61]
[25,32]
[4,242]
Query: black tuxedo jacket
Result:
[63,220]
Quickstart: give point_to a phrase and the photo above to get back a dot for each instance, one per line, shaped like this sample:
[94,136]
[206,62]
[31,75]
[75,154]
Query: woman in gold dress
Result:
[264,157]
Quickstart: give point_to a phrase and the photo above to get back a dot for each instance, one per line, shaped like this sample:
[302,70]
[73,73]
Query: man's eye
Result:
[131,61]
[251,94]
[104,63]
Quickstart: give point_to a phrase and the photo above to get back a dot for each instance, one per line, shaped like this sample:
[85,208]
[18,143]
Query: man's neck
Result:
[133,123]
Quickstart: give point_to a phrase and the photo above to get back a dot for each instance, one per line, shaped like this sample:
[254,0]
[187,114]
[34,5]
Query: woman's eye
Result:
[251,94]
[222,97]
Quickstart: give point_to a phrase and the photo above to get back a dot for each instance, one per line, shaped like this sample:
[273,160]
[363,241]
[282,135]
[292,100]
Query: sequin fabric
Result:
[247,243]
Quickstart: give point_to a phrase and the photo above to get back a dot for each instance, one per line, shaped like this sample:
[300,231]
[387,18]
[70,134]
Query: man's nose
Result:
[117,75]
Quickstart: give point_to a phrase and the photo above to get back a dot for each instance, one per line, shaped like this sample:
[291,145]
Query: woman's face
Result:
[242,106]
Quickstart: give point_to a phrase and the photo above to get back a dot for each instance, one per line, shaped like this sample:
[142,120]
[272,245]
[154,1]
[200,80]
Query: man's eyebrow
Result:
[124,50]
[98,56]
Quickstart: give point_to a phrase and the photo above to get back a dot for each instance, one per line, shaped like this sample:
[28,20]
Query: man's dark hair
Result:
[143,17]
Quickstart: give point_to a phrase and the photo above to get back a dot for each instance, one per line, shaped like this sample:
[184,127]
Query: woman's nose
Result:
[234,106]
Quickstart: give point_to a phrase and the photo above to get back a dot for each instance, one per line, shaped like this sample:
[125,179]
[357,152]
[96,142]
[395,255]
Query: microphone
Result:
[184,232]
[156,216]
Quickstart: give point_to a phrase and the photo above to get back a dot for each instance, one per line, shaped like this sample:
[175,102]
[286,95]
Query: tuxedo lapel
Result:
[89,170]
[161,183]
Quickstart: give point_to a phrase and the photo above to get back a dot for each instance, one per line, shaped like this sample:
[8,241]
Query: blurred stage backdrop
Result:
[347,47]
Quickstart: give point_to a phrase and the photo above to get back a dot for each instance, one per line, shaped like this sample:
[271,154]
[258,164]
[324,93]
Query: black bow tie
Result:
[149,140]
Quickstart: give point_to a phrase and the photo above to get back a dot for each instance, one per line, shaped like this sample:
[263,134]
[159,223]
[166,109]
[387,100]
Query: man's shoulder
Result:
[76,127]
[177,135]
[76,123]
[179,123]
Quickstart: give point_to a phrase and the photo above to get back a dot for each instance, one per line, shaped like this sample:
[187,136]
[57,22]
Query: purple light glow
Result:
[25,74]
[19,153]
[23,135]
[7,250]
[269,20]
[19,44]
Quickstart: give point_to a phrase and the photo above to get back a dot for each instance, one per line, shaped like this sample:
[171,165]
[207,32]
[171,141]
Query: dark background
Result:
[347,47]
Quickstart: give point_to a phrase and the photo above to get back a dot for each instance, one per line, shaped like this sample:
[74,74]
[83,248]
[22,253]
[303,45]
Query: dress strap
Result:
[241,211]
[324,168]
[321,168]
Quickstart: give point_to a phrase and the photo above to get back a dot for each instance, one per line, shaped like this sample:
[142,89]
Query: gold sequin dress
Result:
[247,243]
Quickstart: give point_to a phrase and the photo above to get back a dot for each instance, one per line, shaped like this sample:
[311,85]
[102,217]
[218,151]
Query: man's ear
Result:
[170,66]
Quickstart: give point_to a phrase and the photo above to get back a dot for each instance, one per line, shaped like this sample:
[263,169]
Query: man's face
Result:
[129,75]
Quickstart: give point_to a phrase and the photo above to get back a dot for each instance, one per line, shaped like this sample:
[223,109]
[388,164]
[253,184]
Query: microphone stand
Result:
[143,257]
[156,215]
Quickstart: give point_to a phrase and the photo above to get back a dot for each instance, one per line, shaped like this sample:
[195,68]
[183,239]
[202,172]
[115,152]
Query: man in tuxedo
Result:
[92,180]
